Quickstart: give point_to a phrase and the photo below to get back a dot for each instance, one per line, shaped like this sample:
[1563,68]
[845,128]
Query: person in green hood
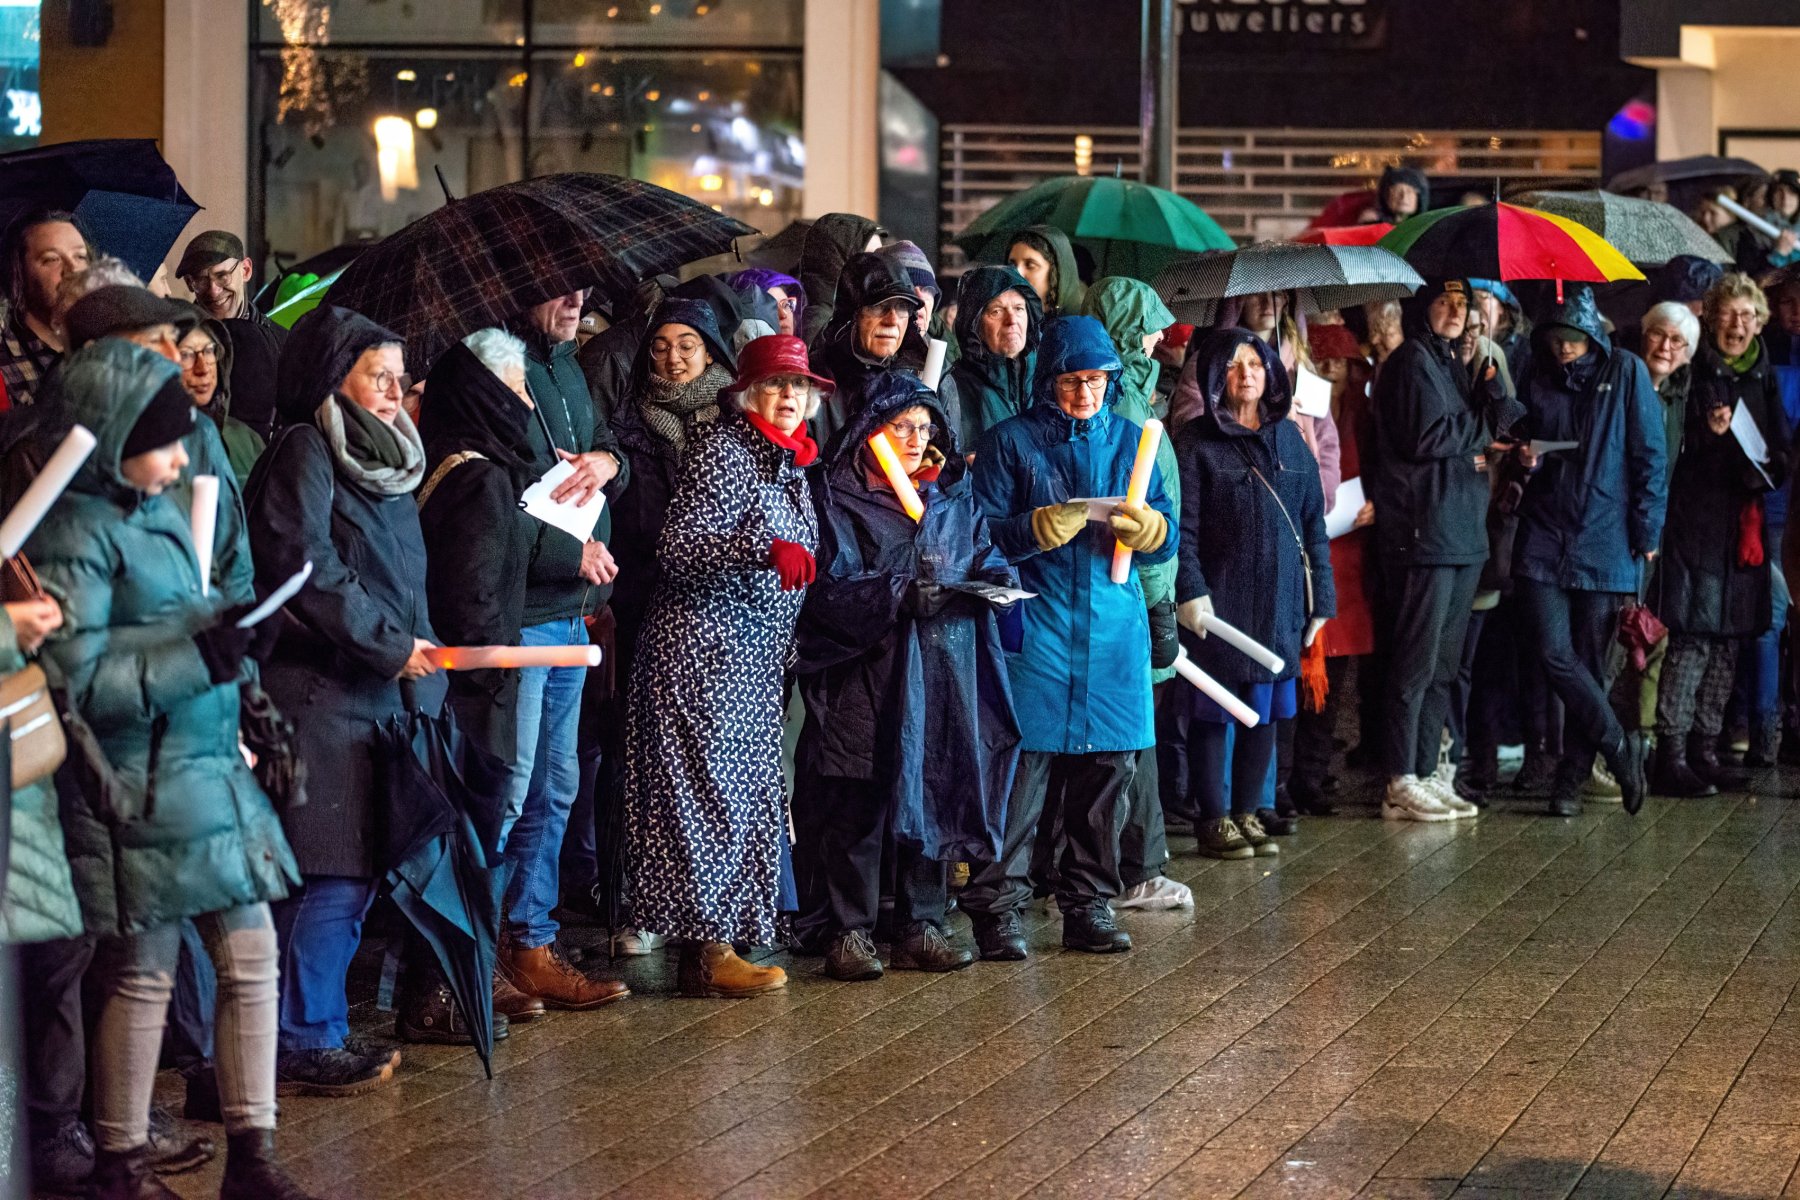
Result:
[1043,255]
[205,360]
[999,319]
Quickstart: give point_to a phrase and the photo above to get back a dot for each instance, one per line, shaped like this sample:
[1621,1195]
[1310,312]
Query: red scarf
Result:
[806,451]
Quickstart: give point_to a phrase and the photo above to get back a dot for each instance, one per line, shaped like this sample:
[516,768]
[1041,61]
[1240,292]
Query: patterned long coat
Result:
[705,807]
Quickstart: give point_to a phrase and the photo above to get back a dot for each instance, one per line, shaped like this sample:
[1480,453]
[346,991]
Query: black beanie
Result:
[120,308]
[168,417]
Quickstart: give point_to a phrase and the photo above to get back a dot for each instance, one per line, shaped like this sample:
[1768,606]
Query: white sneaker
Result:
[637,942]
[1407,799]
[1442,785]
[1602,786]
[1160,892]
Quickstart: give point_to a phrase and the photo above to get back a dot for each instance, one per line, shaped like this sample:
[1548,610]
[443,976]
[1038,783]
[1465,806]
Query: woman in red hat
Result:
[705,804]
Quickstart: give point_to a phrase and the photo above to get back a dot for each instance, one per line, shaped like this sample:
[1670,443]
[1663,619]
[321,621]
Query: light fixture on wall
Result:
[426,118]
[395,156]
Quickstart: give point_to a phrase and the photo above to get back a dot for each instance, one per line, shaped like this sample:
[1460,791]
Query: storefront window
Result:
[21,119]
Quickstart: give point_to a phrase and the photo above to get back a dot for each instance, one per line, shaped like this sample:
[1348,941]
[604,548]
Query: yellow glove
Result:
[1140,527]
[1054,524]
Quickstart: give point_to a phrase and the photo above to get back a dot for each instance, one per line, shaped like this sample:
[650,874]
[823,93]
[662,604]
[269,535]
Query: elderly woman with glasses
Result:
[205,360]
[705,803]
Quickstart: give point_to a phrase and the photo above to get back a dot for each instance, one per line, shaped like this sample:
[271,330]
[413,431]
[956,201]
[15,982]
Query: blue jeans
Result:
[1763,664]
[546,775]
[319,927]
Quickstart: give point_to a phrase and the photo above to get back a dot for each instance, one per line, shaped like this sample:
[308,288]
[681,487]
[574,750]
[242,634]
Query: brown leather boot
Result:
[543,972]
[518,1007]
[714,969]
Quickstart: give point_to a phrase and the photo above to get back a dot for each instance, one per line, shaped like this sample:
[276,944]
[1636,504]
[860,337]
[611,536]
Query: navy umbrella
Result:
[124,196]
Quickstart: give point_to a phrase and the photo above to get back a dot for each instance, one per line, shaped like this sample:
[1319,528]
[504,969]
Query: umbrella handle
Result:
[443,183]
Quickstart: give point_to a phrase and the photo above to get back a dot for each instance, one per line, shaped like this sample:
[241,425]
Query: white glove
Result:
[1192,615]
[1312,629]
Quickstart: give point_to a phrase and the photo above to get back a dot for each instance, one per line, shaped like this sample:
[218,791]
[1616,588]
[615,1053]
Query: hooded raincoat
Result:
[1081,670]
[992,388]
[1251,551]
[243,445]
[1066,290]
[869,279]
[922,705]
[193,833]
[830,242]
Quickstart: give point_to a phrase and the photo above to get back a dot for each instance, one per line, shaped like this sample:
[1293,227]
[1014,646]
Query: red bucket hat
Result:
[1331,341]
[775,354]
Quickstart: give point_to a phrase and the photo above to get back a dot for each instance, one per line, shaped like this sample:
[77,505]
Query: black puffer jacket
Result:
[869,279]
[830,242]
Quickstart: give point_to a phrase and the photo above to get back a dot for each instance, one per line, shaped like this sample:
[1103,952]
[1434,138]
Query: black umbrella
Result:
[446,876]
[1682,170]
[125,197]
[782,252]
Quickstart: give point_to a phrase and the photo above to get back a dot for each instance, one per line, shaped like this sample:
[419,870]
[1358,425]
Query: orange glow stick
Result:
[487,658]
[1139,487]
[889,458]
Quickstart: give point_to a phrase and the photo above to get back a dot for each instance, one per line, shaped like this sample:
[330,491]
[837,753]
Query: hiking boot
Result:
[1250,828]
[1673,776]
[329,1072]
[252,1172]
[1223,839]
[63,1160]
[125,1175]
[1000,937]
[542,971]
[925,948]
[174,1148]
[714,969]
[1276,825]
[852,957]
[1092,929]
[1406,799]
[429,1014]
[509,1002]
[1155,893]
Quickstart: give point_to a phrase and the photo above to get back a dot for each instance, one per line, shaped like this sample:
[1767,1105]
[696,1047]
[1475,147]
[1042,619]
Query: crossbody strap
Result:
[449,464]
[1299,543]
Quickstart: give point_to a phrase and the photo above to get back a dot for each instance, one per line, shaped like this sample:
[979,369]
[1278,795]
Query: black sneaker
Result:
[174,1148]
[1091,929]
[1000,937]
[852,957]
[925,948]
[379,1049]
[61,1162]
[332,1072]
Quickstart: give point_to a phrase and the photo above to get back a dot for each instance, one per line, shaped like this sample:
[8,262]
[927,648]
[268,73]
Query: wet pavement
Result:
[1510,1007]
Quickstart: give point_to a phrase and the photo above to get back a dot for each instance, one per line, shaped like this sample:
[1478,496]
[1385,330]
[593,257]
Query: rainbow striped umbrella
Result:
[1506,242]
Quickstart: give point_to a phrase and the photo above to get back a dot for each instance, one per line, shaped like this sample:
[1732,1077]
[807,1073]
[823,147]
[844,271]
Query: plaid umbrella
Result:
[1645,231]
[483,260]
[1324,277]
[125,197]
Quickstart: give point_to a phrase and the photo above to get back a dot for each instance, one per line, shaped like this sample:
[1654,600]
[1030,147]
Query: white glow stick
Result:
[1237,639]
[43,491]
[1136,490]
[1749,218]
[936,351]
[487,658]
[1216,691]
[205,519]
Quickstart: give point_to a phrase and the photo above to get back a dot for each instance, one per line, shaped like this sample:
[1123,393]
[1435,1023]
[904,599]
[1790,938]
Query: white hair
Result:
[1671,312]
[105,271]
[498,350]
[815,395]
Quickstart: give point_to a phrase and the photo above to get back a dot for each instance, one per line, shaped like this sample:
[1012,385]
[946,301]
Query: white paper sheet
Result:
[1312,394]
[1349,502]
[1100,507]
[993,593]
[576,521]
[1541,447]
[1743,427]
[277,598]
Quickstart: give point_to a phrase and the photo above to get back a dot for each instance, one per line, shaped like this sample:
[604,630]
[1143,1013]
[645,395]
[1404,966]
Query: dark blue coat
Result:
[924,705]
[1236,546]
[1590,514]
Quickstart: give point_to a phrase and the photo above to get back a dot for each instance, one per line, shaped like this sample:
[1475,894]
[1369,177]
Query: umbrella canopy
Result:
[1506,242]
[1345,209]
[1131,228]
[1678,170]
[307,294]
[484,259]
[1647,232]
[1324,278]
[125,197]
[1345,235]
[782,252]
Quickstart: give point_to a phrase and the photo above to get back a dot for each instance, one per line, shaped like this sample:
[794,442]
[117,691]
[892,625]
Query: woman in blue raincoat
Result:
[1080,661]
[910,734]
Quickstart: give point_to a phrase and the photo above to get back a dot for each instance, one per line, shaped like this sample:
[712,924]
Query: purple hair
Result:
[765,279]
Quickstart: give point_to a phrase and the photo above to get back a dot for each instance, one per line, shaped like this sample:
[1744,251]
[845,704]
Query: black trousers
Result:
[1573,630]
[1431,613]
[1248,763]
[1143,840]
[855,825]
[1091,789]
[1314,737]
[50,975]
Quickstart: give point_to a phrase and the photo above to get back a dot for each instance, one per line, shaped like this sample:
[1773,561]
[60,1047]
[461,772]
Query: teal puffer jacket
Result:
[38,903]
[193,833]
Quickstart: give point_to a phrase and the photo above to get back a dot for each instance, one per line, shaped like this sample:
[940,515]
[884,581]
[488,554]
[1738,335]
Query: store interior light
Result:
[653,95]
[712,183]
[426,118]
[406,75]
[766,197]
[395,157]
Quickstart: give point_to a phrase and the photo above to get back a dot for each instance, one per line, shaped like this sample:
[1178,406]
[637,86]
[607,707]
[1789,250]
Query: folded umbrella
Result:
[1132,228]
[124,196]
[1324,277]
[1506,242]
[484,259]
[1682,170]
[1647,232]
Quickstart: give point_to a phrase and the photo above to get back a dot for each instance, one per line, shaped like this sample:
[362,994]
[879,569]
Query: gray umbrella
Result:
[1324,277]
[1645,231]
[1680,170]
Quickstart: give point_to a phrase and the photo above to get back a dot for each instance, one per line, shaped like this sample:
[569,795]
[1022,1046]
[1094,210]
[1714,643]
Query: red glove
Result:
[793,562]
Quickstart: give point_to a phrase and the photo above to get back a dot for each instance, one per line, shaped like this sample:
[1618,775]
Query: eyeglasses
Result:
[776,384]
[1069,385]
[219,276]
[680,348]
[889,308]
[787,304]
[387,381]
[906,431]
[209,352]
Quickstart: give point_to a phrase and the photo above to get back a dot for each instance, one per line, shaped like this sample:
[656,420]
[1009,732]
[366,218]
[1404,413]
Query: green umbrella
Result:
[292,304]
[1131,228]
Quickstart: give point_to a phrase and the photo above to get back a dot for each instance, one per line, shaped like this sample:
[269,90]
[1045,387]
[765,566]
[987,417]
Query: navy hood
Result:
[697,315]
[1075,344]
[1215,355]
[1411,176]
[320,351]
[1579,312]
[886,394]
[978,289]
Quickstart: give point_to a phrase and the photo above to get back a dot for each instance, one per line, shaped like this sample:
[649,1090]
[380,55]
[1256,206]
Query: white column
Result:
[841,113]
[206,88]
[1684,112]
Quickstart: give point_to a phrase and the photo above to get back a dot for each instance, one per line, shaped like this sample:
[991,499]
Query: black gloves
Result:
[924,600]
[1165,635]
[222,648]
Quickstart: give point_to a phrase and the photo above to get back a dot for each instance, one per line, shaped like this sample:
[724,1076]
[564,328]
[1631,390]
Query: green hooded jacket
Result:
[992,388]
[1131,311]
[193,833]
[1066,288]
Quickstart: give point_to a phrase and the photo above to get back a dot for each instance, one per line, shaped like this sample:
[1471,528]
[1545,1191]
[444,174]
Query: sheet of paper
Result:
[576,521]
[277,598]
[1540,446]
[1100,507]
[1312,394]
[993,593]
[1349,502]
[1743,427]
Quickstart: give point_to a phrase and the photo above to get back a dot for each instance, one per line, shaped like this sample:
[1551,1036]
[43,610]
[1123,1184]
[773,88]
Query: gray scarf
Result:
[671,408]
[367,472]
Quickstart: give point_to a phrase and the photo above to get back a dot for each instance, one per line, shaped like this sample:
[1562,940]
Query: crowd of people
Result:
[948,590]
